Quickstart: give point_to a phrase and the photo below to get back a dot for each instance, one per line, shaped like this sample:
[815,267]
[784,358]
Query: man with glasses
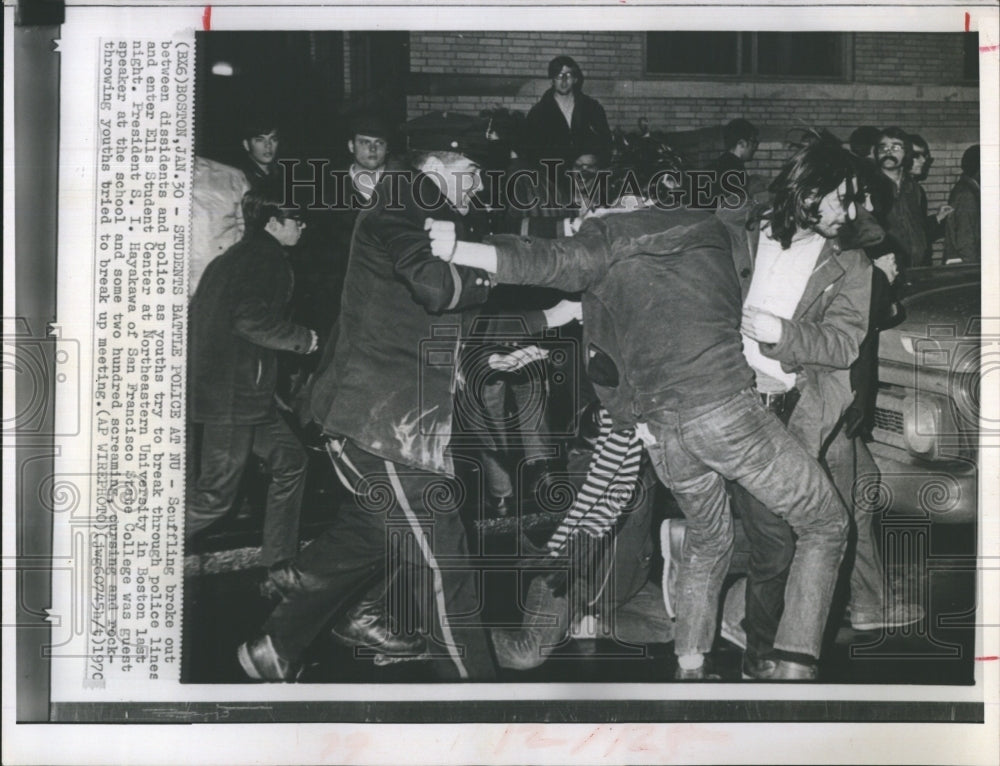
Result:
[907,220]
[566,122]
[238,323]
[665,355]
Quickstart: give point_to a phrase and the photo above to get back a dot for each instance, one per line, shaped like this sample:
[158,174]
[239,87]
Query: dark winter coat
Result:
[392,379]
[238,323]
[550,137]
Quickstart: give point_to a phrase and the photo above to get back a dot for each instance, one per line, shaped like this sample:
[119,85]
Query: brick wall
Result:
[879,57]
[910,80]
[527,54]
[908,57]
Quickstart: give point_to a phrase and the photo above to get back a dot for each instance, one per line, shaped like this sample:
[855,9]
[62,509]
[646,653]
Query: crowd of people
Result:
[728,342]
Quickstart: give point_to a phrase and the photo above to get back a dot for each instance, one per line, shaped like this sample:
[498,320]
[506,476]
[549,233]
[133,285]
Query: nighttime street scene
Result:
[563,357]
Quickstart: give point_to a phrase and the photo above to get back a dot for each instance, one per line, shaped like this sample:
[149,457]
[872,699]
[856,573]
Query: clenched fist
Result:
[443,240]
[762,326]
[562,313]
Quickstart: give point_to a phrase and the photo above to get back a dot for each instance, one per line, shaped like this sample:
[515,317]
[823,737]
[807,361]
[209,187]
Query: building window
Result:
[820,55]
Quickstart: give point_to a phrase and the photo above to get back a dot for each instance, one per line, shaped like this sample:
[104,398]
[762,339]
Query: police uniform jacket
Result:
[238,323]
[391,382]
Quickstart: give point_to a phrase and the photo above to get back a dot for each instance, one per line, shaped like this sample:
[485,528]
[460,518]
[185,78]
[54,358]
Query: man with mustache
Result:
[907,220]
[663,294]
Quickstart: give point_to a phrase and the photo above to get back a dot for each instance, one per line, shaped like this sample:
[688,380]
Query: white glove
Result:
[443,239]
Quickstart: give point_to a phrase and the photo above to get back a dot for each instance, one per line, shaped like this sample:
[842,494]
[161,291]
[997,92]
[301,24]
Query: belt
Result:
[781,404]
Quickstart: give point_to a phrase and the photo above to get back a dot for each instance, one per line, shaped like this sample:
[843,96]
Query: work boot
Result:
[260,661]
[367,624]
[546,625]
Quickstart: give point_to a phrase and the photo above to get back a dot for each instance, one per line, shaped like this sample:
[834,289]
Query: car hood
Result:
[935,317]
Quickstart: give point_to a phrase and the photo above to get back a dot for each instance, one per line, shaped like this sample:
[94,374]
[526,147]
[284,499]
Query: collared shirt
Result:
[364,180]
[566,107]
[779,280]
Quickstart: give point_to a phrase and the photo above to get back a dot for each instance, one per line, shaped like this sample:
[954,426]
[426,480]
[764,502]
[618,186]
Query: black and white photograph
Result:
[599,384]
[358,394]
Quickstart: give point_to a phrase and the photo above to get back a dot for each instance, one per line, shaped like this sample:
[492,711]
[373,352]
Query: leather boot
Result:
[367,624]
[546,625]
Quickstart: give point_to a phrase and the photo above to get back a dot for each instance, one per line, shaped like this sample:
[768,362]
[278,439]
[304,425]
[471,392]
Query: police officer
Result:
[385,404]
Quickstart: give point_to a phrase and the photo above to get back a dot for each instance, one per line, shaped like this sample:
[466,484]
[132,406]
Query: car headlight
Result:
[921,425]
[964,386]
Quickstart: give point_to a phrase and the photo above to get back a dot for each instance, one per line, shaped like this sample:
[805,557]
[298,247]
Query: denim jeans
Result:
[528,421]
[773,548]
[853,469]
[738,439]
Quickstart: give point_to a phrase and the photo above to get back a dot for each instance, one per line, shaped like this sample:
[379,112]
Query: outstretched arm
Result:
[571,264]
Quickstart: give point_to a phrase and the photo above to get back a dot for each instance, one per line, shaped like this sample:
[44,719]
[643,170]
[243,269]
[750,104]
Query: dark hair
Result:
[970,160]
[888,244]
[259,208]
[900,135]
[259,126]
[738,130]
[863,139]
[370,124]
[814,171]
[916,140]
[556,65]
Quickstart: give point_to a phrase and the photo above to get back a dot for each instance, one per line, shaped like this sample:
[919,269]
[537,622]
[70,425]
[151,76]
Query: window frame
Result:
[846,63]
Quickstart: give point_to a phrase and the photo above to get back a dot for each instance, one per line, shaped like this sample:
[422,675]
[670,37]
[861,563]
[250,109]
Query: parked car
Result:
[926,435]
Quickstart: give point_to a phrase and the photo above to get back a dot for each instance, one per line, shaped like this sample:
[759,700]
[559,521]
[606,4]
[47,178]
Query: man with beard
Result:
[662,308]
[907,219]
